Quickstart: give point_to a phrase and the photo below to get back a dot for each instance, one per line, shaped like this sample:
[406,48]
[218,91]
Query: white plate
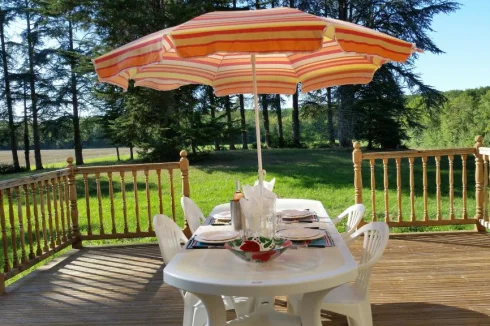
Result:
[217,236]
[301,233]
[223,215]
[294,213]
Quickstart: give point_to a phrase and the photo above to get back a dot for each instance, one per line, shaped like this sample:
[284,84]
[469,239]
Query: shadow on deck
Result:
[436,279]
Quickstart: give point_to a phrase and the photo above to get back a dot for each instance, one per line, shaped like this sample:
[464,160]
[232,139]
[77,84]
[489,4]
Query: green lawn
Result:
[325,175]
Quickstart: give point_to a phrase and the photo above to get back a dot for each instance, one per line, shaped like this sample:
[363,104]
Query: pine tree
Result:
[6,16]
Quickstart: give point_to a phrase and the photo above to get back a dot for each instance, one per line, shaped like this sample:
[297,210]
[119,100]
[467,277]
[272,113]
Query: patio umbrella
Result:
[265,51]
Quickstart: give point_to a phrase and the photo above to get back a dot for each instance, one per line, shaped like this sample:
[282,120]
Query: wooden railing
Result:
[36,219]
[42,214]
[484,156]
[399,207]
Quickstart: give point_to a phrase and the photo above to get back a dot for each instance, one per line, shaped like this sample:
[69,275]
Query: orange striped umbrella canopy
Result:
[290,46]
[265,51]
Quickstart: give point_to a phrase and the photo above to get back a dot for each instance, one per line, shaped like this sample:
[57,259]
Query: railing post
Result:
[2,283]
[73,204]
[184,169]
[357,160]
[479,184]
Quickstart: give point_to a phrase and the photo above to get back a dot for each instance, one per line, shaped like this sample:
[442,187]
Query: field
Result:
[55,157]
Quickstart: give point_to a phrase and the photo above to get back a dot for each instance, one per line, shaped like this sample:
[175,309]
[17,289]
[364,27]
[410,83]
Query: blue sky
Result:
[465,37]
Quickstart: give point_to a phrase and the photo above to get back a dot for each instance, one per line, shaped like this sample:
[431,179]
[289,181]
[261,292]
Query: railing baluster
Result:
[55,206]
[160,199]
[50,216]
[438,187]
[20,217]
[485,187]
[6,265]
[148,203]
[43,216]
[424,185]
[66,187]
[29,221]
[372,163]
[464,177]
[171,176]
[87,203]
[99,202]
[39,250]
[111,197]
[61,194]
[451,186]
[385,182]
[136,206]
[399,187]
[412,189]
[15,261]
[123,195]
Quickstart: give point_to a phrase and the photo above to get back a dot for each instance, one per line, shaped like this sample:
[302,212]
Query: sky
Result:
[464,36]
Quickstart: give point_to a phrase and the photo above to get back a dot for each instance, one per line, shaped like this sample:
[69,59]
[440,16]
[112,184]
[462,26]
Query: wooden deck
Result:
[441,279]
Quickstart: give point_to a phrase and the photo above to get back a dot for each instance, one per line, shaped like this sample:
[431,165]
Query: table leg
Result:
[215,309]
[310,308]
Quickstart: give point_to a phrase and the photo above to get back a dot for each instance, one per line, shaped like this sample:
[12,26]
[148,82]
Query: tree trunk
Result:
[117,153]
[279,120]
[10,111]
[229,122]
[344,128]
[265,114]
[296,136]
[344,123]
[131,155]
[331,132]
[26,130]
[74,95]
[243,122]
[32,83]
[212,102]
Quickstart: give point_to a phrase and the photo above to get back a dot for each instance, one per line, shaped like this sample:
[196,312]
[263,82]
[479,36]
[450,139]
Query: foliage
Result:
[465,115]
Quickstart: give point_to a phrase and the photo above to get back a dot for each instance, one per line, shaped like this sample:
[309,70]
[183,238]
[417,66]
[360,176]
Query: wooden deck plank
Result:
[437,279]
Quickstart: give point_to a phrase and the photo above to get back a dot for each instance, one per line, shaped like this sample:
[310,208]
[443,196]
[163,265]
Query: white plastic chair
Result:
[170,237]
[352,299]
[192,213]
[354,217]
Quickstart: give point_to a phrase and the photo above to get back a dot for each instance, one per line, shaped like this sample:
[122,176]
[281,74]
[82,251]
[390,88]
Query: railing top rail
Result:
[126,167]
[420,153]
[11,183]
[484,150]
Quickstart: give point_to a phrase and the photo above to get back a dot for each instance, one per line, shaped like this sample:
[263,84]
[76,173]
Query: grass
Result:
[324,175]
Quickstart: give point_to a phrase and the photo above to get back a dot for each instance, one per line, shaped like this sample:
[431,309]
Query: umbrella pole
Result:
[257,123]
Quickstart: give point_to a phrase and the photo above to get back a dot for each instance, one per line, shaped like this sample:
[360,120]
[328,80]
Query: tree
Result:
[243,123]
[6,17]
[32,37]
[265,115]
[277,105]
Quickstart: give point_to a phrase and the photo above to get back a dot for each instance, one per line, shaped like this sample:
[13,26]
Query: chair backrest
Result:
[192,213]
[269,185]
[354,215]
[169,236]
[376,235]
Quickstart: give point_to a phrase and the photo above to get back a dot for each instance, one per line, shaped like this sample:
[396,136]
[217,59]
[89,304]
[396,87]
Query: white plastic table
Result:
[211,273]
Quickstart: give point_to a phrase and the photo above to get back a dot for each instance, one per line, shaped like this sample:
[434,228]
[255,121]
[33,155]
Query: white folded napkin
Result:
[258,206]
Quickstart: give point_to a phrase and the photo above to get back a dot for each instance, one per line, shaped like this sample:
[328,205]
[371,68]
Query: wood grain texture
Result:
[422,279]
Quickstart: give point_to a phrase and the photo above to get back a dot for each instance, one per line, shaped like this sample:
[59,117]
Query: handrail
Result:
[418,153]
[11,183]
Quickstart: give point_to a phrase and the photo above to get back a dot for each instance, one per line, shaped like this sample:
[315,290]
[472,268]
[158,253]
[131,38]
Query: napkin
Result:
[267,184]
[258,206]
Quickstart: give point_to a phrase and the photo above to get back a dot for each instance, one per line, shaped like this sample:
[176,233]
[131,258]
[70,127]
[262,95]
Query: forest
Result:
[50,96]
